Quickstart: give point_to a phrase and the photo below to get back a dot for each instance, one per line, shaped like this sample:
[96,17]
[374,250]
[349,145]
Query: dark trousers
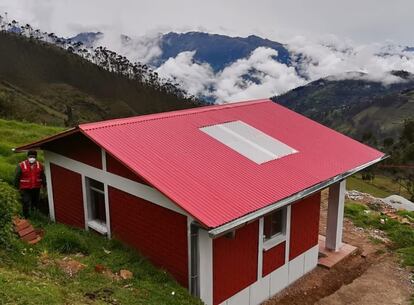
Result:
[30,199]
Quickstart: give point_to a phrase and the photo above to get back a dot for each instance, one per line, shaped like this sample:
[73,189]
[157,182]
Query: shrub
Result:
[9,207]
[66,241]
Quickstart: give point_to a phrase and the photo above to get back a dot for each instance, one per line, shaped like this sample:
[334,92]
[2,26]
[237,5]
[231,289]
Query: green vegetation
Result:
[13,134]
[356,183]
[9,207]
[363,109]
[39,82]
[381,186]
[32,274]
[401,235]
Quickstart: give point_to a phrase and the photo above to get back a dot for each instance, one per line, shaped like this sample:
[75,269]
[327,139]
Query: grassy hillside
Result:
[38,81]
[356,107]
[13,134]
[41,274]
[34,275]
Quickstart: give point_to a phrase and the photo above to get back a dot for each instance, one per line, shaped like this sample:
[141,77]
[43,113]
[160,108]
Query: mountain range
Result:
[364,109]
[220,68]
[41,79]
[217,50]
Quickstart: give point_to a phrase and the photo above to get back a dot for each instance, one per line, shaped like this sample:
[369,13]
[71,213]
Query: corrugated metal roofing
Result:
[210,180]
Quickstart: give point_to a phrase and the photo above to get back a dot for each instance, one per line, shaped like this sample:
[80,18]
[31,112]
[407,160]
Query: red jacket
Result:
[32,175]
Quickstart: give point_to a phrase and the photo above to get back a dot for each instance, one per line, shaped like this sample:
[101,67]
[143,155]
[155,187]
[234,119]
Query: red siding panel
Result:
[273,258]
[304,225]
[67,196]
[79,148]
[156,232]
[235,262]
[115,167]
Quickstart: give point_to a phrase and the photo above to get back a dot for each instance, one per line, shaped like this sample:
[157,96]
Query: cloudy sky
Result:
[332,36]
[363,21]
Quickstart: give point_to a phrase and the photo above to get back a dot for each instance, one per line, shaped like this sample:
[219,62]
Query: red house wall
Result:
[67,196]
[235,262]
[273,258]
[115,167]
[157,233]
[304,225]
[79,148]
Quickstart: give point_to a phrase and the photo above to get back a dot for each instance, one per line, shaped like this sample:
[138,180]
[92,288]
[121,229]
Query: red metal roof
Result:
[211,181]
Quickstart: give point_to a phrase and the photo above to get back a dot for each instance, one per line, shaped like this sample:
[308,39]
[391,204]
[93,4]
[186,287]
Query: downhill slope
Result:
[38,81]
[360,108]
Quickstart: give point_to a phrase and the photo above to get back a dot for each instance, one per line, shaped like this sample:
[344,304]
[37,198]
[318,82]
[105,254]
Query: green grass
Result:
[382,186]
[25,280]
[401,235]
[13,134]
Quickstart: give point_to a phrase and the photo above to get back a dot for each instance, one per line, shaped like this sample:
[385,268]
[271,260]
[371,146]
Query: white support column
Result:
[189,222]
[107,211]
[288,221]
[260,250]
[205,244]
[106,193]
[49,189]
[335,218]
[85,196]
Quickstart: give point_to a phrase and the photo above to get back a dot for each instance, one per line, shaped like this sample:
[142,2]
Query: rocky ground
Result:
[371,276]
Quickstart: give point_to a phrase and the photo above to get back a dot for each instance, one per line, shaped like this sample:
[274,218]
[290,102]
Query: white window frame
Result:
[279,237]
[99,227]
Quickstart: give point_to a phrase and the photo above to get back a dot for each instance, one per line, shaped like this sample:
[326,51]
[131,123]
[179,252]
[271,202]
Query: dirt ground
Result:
[370,276]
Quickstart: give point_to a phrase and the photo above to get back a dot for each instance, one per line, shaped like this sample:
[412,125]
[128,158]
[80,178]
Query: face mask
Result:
[31,160]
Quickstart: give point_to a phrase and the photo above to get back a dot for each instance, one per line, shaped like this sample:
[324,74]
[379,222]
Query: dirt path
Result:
[370,276]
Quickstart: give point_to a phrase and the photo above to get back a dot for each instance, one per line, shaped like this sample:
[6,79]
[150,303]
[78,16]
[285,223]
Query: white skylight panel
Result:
[248,141]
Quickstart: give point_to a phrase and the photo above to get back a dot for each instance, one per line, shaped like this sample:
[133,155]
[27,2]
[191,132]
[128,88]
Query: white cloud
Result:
[260,75]
[142,48]
[196,78]
[270,77]
[364,21]
[257,76]
[320,59]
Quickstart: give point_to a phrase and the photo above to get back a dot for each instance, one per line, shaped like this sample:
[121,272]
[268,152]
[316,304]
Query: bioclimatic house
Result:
[226,198]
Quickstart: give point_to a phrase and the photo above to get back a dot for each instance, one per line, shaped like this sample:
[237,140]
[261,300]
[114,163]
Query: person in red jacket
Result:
[29,179]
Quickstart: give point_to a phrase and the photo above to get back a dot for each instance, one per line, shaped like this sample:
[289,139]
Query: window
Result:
[96,206]
[274,228]
[248,141]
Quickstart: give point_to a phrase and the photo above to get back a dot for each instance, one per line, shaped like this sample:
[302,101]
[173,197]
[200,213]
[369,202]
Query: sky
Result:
[331,37]
[363,21]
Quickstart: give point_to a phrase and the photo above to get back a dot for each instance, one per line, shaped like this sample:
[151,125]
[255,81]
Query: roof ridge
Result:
[169,114]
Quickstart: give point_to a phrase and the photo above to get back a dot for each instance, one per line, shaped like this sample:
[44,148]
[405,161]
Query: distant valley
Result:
[366,110]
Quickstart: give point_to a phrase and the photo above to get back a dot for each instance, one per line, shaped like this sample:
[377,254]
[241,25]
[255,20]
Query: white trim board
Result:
[260,250]
[126,185]
[205,244]
[49,190]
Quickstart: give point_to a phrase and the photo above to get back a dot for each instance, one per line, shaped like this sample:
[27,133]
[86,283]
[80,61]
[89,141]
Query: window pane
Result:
[96,184]
[273,224]
[98,206]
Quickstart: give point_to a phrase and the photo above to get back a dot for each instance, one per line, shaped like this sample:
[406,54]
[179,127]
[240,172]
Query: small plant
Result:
[9,207]
[66,241]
